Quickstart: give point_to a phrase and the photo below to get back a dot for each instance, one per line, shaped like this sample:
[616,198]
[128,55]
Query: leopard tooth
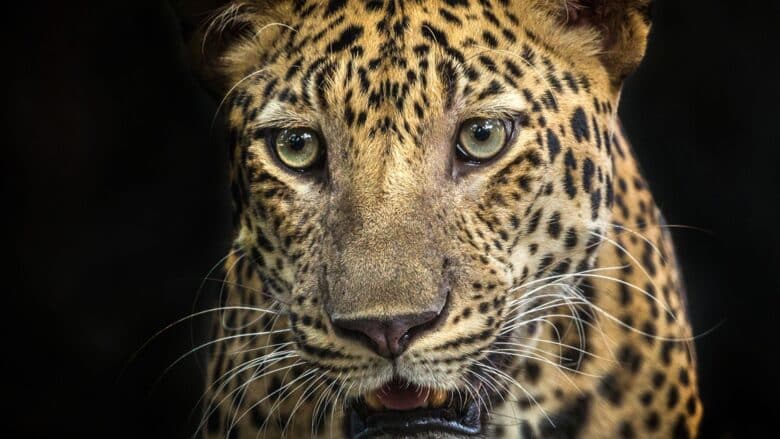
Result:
[372,401]
[437,398]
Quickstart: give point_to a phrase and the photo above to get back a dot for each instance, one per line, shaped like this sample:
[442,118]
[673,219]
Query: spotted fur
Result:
[565,300]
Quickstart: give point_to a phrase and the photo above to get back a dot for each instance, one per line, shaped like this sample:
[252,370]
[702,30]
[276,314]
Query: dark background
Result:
[115,205]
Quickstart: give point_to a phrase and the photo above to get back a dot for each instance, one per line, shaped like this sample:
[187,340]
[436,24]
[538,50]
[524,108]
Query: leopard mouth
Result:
[403,409]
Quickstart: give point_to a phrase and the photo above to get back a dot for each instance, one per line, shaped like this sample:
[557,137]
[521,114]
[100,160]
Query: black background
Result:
[115,204]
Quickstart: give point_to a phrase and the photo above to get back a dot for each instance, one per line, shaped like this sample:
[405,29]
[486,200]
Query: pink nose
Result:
[388,337]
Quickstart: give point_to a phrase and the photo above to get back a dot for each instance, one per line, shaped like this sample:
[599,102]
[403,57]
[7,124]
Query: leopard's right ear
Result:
[217,32]
[618,27]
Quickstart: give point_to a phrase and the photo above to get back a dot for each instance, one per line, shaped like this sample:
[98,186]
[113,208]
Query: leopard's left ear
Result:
[215,30]
[621,25]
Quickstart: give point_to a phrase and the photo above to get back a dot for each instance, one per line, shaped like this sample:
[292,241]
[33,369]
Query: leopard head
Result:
[409,177]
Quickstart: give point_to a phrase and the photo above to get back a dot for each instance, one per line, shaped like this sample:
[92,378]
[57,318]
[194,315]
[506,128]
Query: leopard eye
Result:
[298,148]
[480,140]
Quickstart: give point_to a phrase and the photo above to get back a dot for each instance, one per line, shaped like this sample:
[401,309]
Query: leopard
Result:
[440,227]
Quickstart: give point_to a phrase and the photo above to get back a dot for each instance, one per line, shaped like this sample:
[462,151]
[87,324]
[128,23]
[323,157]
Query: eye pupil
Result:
[481,132]
[296,142]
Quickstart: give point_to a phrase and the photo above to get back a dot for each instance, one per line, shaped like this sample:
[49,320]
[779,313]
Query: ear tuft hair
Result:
[622,25]
[215,29]
[214,37]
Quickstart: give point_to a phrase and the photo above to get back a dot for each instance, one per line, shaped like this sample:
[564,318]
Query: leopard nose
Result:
[388,337]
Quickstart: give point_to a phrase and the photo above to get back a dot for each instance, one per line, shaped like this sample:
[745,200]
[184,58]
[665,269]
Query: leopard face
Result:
[418,185]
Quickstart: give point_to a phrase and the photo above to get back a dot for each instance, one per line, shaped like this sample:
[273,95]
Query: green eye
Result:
[298,148]
[481,139]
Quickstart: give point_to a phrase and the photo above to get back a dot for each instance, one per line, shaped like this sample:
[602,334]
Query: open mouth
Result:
[402,409]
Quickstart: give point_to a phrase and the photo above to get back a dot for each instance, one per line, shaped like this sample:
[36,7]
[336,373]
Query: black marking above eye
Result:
[334,6]
[345,39]
[434,34]
[579,124]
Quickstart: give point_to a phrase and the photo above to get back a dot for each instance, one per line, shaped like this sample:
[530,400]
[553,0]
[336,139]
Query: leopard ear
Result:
[621,25]
[214,28]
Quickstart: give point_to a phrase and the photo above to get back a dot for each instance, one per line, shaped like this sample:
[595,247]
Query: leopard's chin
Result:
[402,409]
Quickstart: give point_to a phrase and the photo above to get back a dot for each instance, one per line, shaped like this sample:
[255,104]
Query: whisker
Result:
[563,276]
[301,399]
[235,284]
[210,343]
[254,378]
[514,382]
[638,264]
[255,404]
[308,375]
[190,316]
[316,413]
[642,237]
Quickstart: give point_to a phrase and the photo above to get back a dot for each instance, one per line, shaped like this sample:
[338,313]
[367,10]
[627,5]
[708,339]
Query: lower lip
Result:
[464,422]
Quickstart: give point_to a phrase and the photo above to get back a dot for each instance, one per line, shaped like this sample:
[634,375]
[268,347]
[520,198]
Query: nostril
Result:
[370,331]
[424,322]
[388,337]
